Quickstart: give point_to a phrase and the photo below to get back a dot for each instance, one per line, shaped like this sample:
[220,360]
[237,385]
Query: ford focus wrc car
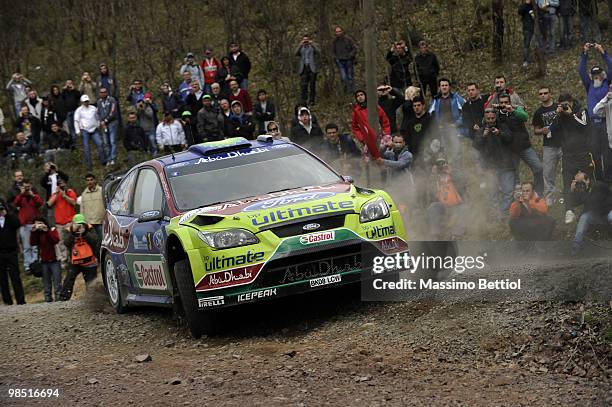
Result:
[237,221]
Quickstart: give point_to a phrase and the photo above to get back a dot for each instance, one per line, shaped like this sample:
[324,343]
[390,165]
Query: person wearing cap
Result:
[306,132]
[146,110]
[63,202]
[210,66]
[107,113]
[189,64]
[189,127]
[9,262]
[169,135]
[83,245]
[86,122]
[239,123]
[209,121]
[596,85]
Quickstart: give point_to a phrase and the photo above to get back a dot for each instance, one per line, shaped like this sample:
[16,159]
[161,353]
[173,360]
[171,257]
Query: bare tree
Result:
[497,8]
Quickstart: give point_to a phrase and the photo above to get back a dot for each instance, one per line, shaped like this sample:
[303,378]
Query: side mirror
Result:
[150,216]
[348,179]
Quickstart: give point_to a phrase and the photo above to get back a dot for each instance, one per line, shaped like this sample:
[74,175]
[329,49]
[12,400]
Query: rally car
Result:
[237,221]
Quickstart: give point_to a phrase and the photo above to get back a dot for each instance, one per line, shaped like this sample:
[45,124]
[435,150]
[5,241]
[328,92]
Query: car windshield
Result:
[235,175]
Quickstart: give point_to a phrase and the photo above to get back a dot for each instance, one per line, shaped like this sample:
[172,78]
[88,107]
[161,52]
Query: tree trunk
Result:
[325,40]
[497,8]
[369,41]
[541,61]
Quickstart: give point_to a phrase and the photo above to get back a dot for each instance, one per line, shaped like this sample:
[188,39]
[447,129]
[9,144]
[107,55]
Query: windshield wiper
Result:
[284,189]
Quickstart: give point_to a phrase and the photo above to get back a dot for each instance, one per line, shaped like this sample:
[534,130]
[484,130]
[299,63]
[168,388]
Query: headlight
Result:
[377,209]
[228,238]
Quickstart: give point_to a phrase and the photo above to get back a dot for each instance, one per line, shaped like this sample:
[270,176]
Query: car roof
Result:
[217,147]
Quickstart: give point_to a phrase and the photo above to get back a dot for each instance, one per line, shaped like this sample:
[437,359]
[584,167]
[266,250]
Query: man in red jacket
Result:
[210,65]
[46,237]
[242,96]
[63,201]
[28,204]
[362,130]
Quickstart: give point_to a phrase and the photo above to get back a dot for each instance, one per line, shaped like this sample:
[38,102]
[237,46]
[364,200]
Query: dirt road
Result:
[324,348]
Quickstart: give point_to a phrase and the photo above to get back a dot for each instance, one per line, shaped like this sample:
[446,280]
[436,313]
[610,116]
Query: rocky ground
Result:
[322,348]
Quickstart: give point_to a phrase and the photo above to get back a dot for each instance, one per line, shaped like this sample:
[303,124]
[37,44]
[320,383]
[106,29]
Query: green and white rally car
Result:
[237,221]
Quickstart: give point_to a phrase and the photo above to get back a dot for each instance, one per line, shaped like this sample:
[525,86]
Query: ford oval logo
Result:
[311,226]
[287,200]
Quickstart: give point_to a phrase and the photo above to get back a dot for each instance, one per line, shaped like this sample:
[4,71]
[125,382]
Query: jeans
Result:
[527,36]
[566,31]
[152,147]
[589,29]
[30,253]
[244,84]
[52,273]
[17,107]
[9,268]
[345,68]
[532,160]
[440,216]
[570,165]
[97,140]
[110,140]
[308,81]
[70,124]
[505,180]
[587,219]
[552,157]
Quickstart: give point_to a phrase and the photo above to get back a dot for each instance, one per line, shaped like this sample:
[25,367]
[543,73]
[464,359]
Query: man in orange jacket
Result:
[529,218]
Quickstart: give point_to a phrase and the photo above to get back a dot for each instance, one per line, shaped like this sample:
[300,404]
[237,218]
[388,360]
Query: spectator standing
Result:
[83,244]
[589,27]
[227,74]
[390,100]
[542,120]
[92,204]
[189,124]
[572,130]
[185,86]
[135,138]
[428,68]
[28,203]
[473,110]
[529,218]
[526,12]
[239,123]
[445,111]
[502,88]
[34,103]
[17,87]
[399,60]
[210,66]
[361,128]
[548,22]
[417,128]
[344,51]
[265,111]
[9,268]
[146,111]
[515,118]
[108,81]
[70,103]
[189,64]
[603,109]
[596,85]
[241,60]
[136,92]
[86,123]
[169,135]
[88,87]
[14,190]
[194,99]
[109,123]
[49,183]
[63,202]
[57,104]
[309,56]
[407,110]
[210,124]
[45,237]
[171,101]
[242,96]
[566,11]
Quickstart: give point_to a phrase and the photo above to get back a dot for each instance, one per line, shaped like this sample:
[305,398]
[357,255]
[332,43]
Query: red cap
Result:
[148,95]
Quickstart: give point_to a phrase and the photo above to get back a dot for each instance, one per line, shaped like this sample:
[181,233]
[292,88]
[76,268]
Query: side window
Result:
[120,204]
[148,192]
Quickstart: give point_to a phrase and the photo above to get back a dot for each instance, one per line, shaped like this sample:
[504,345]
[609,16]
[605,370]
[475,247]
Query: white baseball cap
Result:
[84,98]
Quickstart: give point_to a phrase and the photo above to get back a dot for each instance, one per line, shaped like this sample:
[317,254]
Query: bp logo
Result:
[287,200]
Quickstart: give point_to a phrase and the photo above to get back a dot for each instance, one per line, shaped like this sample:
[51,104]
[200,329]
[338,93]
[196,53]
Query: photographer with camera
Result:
[572,130]
[23,149]
[17,87]
[529,218]
[9,259]
[494,142]
[446,206]
[45,237]
[82,243]
[136,92]
[28,203]
[146,111]
[596,84]
[63,201]
[87,86]
[597,199]
[308,67]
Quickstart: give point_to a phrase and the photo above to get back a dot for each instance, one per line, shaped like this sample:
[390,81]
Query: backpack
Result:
[447,193]
[82,253]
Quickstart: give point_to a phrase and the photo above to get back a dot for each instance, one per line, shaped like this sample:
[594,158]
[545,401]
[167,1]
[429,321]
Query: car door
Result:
[145,258]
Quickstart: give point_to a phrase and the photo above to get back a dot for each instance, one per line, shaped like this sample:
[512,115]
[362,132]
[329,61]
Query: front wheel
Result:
[199,322]
[112,284]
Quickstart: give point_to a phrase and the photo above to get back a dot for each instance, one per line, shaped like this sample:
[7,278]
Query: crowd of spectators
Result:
[426,137]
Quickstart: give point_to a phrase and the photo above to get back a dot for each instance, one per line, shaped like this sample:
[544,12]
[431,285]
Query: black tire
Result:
[112,284]
[199,322]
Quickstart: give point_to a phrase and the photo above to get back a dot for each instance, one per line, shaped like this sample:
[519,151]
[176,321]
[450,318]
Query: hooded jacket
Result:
[362,130]
[306,136]
[239,125]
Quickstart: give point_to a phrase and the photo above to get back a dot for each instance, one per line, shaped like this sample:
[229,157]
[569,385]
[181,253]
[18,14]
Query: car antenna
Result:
[172,153]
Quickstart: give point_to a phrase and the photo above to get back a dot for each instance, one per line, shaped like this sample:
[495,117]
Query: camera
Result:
[441,162]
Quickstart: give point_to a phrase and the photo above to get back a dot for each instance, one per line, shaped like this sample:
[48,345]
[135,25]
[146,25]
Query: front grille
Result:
[295,229]
[310,265]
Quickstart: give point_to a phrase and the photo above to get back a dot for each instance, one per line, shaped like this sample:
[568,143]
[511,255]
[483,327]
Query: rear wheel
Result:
[112,284]
[199,322]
